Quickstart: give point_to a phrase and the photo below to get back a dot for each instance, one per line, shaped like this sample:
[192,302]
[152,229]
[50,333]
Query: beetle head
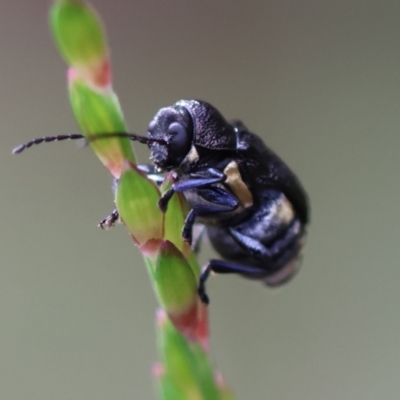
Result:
[172,128]
[186,124]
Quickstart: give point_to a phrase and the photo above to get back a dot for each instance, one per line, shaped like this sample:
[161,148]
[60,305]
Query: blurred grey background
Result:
[320,81]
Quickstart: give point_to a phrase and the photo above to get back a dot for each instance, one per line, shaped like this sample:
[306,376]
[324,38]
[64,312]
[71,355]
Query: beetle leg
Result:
[201,289]
[197,180]
[109,221]
[165,198]
[188,226]
[223,267]
[226,203]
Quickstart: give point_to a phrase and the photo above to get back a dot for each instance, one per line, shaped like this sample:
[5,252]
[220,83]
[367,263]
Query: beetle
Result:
[252,205]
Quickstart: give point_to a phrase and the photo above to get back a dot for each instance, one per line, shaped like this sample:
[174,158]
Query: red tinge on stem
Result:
[97,75]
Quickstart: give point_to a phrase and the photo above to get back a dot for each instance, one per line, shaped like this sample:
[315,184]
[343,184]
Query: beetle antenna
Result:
[88,139]
[45,139]
[131,136]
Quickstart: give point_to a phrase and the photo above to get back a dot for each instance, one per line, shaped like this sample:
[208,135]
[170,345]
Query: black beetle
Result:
[253,206]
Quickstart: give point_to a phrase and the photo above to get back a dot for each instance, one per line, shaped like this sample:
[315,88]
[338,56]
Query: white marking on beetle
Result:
[192,156]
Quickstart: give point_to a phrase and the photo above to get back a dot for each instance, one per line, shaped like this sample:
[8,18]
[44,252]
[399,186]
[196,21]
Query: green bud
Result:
[100,112]
[136,199]
[175,282]
[78,32]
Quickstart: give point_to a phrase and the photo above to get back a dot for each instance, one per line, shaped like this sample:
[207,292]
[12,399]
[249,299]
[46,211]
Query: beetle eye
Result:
[179,139]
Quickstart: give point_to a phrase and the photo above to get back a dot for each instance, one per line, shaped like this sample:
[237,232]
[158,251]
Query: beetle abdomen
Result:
[270,239]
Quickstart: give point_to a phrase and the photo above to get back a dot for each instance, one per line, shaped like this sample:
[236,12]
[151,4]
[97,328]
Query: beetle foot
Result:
[201,290]
[187,234]
[165,198]
[163,204]
[109,221]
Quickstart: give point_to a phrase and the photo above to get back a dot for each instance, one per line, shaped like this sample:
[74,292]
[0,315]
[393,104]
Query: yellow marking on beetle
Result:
[235,182]
[284,210]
